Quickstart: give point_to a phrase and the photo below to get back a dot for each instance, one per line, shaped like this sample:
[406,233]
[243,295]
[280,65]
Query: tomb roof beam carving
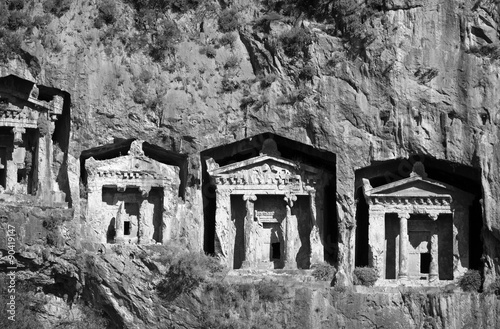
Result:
[444,200]
[31,111]
[425,210]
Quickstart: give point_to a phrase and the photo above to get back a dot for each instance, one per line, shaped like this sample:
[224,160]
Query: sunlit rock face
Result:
[420,84]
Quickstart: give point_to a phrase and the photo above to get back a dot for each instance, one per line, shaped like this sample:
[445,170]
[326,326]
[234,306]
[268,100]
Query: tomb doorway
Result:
[135,218]
[272,246]
[419,257]
[270,212]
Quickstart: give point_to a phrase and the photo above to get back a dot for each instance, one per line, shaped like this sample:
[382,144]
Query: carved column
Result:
[119,224]
[144,223]
[403,246]
[460,236]
[250,243]
[314,237]
[434,266]
[290,231]
[376,240]
[222,230]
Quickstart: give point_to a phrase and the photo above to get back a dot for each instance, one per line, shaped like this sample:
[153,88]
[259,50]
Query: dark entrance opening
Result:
[3,166]
[111,232]
[126,228]
[275,251]
[425,263]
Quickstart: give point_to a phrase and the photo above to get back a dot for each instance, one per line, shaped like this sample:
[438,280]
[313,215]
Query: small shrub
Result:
[139,95]
[229,85]
[145,76]
[307,72]
[107,11]
[41,21]
[269,291]
[491,50]
[18,19]
[50,41]
[232,62]
[28,306]
[228,39]
[183,6]
[164,40]
[365,276]
[249,100]
[297,95]
[16,4]
[494,288]
[295,40]
[229,20]
[266,80]
[323,272]
[56,7]
[209,51]
[83,191]
[471,281]
[10,44]
[187,273]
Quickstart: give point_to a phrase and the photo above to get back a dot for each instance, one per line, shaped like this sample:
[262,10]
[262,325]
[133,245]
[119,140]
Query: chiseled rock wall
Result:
[424,85]
[428,83]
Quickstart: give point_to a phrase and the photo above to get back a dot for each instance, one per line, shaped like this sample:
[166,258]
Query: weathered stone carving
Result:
[274,229]
[128,195]
[26,149]
[421,205]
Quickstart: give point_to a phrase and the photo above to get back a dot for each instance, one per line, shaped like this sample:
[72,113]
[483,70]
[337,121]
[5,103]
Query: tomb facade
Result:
[418,229]
[27,122]
[269,211]
[130,198]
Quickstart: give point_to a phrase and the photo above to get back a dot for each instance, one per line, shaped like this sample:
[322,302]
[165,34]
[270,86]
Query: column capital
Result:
[18,135]
[404,215]
[433,216]
[249,197]
[145,191]
[290,198]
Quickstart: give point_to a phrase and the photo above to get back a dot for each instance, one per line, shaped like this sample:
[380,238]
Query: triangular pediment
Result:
[265,163]
[126,163]
[415,186]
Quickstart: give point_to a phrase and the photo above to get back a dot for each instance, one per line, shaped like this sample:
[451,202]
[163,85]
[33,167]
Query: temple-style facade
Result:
[418,228]
[128,196]
[268,213]
[27,122]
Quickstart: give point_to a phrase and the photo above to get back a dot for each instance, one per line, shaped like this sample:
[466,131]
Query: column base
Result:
[245,265]
[433,277]
[402,276]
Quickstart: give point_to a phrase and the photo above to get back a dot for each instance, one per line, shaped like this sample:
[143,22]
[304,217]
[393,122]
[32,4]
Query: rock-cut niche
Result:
[418,219]
[132,192]
[269,203]
[33,119]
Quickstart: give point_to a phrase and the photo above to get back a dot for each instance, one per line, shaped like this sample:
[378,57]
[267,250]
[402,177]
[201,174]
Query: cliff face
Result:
[372,82]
